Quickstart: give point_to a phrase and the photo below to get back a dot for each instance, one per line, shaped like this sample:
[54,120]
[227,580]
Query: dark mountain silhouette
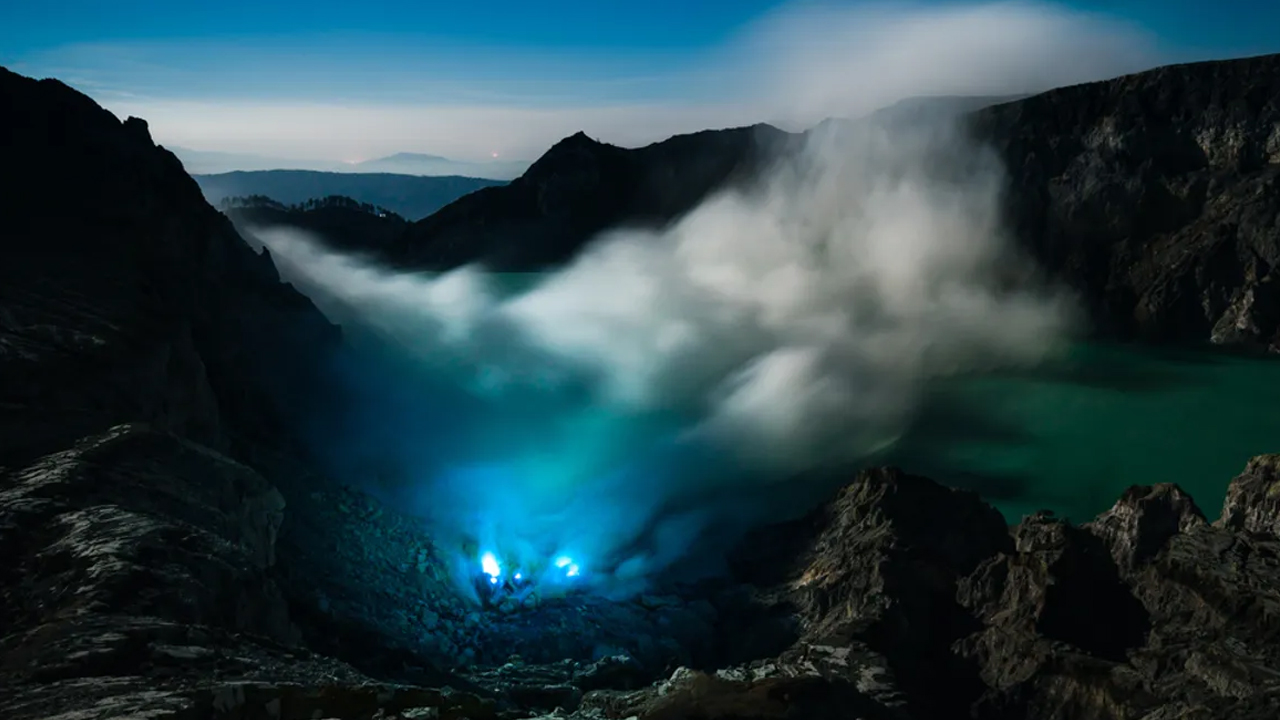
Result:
[579,188]
[409,196]
[344,223]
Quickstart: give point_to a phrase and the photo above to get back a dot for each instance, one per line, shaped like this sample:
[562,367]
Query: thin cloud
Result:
[332,98]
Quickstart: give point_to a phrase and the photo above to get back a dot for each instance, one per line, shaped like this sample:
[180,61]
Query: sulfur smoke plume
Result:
[672,383]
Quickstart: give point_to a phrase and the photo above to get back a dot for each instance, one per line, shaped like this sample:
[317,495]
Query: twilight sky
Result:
[348,81]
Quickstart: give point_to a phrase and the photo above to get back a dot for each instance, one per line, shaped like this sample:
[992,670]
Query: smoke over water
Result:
[668,385]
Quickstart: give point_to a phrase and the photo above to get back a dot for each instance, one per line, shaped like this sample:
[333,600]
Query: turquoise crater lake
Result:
[1072,435]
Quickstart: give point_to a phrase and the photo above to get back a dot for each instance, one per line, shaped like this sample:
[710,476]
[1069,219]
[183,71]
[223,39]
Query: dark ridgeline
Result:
[579,188]
[170,549]
[344,223]
[410,196]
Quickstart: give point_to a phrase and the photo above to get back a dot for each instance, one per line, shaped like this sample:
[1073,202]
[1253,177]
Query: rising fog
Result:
[668,386]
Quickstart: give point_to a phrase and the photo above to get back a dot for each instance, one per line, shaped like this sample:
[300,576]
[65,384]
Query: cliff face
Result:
[1156,195]
[127,298]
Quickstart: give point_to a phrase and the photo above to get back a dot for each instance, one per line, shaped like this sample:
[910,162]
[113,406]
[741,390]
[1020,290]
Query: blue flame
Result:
[489,563]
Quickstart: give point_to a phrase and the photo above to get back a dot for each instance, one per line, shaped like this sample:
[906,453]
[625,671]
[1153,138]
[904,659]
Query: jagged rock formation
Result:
[1156,195]
[908,613]
[171,552]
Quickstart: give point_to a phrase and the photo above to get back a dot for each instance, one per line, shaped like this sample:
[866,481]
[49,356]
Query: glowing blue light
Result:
[518,576]
[490,565]
[566,563]
[493,580]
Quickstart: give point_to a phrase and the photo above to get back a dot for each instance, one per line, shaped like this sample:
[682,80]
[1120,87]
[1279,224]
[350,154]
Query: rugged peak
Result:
[1039,532]
[139,129]
[577,142]
[879,503]
[1253,498]
[1143,520]
[879,564]
[574,154]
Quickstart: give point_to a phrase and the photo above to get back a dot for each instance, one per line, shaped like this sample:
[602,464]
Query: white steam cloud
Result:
[819,60]
[773,329]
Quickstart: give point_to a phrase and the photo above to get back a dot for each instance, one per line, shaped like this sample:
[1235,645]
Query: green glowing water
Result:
[1072,436]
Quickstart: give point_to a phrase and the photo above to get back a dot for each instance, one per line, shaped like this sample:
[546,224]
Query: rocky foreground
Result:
[143,578]
[171,551]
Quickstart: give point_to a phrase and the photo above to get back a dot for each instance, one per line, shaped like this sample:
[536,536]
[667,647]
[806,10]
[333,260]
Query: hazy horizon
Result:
[213,162]
[316,85]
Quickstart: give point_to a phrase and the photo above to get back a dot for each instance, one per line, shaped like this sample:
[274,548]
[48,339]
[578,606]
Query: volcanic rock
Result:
[1141,523]
[1156,196]
[877,569]
[1253,498]
[1177,615]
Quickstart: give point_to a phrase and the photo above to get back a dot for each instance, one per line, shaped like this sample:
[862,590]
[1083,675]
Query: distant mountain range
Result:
[415,185]
[205,162]
[420,164]
[410,196]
